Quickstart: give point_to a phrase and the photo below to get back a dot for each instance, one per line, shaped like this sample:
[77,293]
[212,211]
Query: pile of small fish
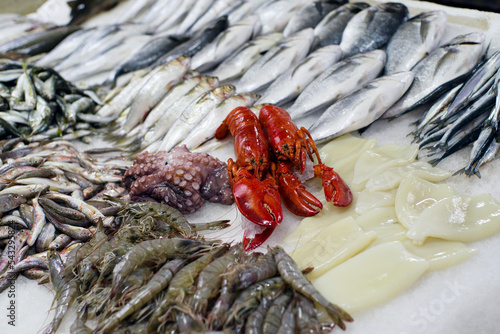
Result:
[156,274]
[35,100]
[51,198]
[466,114]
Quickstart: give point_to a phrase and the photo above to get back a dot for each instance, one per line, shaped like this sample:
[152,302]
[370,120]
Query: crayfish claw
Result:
[256,236]
[336,190]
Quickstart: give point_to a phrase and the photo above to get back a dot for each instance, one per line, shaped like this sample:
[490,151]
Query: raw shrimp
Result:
[256,319]
[263,268]
[306,316]
[210,278]
[288,322]
[272,320]
[293,276]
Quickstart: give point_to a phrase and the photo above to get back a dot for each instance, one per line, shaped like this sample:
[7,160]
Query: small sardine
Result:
[362,107]
[237,64]
[446,63]
[372,28]
[329,30]
[193,114]
[414,40]
[291,83]
[339,80]
[277,61]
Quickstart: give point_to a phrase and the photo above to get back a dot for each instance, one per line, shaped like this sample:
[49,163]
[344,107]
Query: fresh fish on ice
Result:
[226,43]
[329,30]
[372,28]
[414,40]
[277,61]
[362,107]
[310,15]
[339,80]
[196,42]
[446,63]
[163,125]
[205,130]
[275,15]
[291,83]
[193,115]
[159,83]
[243,58]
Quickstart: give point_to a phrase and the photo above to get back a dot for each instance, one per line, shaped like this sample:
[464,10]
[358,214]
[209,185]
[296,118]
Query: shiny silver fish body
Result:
[372,28]
[339,80]
[448,62]
[291,83]
[276,61]
[414,40]
[362,107]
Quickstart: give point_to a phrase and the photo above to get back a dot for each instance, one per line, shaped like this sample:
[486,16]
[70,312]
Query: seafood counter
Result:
[115,189]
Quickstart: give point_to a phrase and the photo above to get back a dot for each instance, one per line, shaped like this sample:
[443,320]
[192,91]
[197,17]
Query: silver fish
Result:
[339,80]
[277,61]
[414,40]
[291,83]
[362,107]
[195,12]
[310,15]
[448,62]
[178,11]
[218,8]
[226,43]
[246,56]
[275,15]
[205,130]
[154,89]
[372,28]
[244,9]
[165,123]
[193,114]
[329,30]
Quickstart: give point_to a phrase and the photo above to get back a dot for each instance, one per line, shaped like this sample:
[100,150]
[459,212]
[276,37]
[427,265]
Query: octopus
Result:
[179,178]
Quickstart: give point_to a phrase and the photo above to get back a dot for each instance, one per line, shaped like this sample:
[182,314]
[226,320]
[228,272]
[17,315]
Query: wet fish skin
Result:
[275,15]
[206,130]
[81,10]
[193,114]
[329,30]
[276,61]
[194,13]
[414,40]
[443,65]
[226,43]
[291,83]
[244,9]
[195,43]
[362,107]
[372,28]
[154,89]
[242,59]
[218,8]
[310,15]
[148,54]
[339,80]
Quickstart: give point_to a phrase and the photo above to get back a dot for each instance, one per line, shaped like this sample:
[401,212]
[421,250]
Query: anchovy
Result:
[291,83]
[205,130]
[39,119]
[329,30]
[195,43]
[276,61]
[372,28]
[362,107]
[226,43]
[242,59]
[414,40]
[440,68]
[310,15]
[339,80]
[154,89]
[193,114]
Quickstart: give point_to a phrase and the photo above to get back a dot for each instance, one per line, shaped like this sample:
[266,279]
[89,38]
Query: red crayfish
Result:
[268,150]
